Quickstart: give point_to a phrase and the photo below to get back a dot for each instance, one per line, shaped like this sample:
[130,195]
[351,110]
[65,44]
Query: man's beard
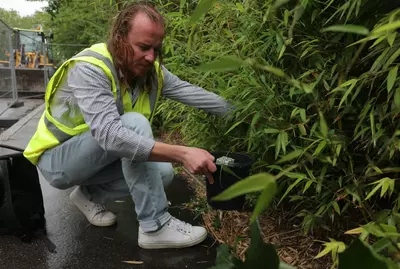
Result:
[142,80]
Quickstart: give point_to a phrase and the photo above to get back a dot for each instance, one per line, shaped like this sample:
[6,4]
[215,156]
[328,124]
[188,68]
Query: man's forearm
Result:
[162,152]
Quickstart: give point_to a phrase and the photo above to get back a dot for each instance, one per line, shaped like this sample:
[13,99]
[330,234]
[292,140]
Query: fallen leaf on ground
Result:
[133,262]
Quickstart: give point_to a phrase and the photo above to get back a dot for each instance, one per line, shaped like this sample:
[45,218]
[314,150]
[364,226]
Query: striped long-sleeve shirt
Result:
[87,92]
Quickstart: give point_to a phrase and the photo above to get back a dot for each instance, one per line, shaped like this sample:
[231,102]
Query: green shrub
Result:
[315,85]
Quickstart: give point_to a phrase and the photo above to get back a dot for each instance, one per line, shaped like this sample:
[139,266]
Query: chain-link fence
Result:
[25,63]
[8,79]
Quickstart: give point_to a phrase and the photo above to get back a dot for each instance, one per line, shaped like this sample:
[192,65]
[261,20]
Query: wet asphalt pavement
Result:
[81,245]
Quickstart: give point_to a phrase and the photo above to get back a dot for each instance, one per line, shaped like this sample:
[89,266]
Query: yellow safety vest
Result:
[50,132]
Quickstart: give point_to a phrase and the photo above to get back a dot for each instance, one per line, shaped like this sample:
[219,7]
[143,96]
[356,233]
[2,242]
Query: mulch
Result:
[293,246]
[278,228]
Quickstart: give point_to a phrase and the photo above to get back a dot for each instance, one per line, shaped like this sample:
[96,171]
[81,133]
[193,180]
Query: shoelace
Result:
[100,209]
[180,225]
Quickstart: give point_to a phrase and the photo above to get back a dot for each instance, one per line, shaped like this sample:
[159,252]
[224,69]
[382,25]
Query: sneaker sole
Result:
[172,245]
[104,224]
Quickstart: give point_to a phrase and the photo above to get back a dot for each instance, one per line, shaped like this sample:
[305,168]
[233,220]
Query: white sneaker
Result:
[96,214]
[174,234]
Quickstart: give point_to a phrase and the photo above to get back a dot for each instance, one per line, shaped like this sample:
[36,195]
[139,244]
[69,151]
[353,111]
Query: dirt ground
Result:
[278,228]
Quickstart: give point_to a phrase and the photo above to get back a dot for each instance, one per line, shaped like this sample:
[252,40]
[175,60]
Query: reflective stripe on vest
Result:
[110,66]
[127,102]
[51,133]
[60,135]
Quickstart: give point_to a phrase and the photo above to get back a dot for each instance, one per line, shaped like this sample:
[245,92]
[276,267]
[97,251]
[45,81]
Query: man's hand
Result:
[199,161]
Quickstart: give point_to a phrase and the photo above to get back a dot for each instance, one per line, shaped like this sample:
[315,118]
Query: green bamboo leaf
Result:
[391,37]
[250,184]
[286,17]
[386,28]
[325,251]
[377,169]
[336,207]
[296,198]
[310,173]
[303,114]
[291,187]
[284,141]
[182,4]
[326,85]
[338,148]
[348,28]
[283,265]
[295,111]
[253,258]
[308,88]
[307,185]
[385,187]
[358,255]
[264,200]
[271,131]
[294,175]
[255,119]
[378,41]
[381,244]
[320,147]
[201,9]
[391,79]
[364,40]
[302,129]
[377,187]
[380,230]
[276,71]
[175,14]
[229,171]
[305,52]
[290,156]
[383,183]
[240,7]
[299,11]
[320,210]
[282,52]
[190,40]
[348,83]
[223,64]
[322,125]
[391,186]
[233,127]
[279,3]
[379,61]
[372,120]
[278,144]
[397,97]
[225,259]
[333,246]
[353,83]
[392,58]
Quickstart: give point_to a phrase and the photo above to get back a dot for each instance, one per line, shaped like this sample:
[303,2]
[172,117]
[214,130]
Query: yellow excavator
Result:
[32,55]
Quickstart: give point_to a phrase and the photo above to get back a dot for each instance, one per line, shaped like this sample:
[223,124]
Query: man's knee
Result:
[56,179]
[137,122]
[167,174]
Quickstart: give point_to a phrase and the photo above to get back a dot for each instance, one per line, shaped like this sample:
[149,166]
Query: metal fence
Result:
[23,66]
[8,78]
